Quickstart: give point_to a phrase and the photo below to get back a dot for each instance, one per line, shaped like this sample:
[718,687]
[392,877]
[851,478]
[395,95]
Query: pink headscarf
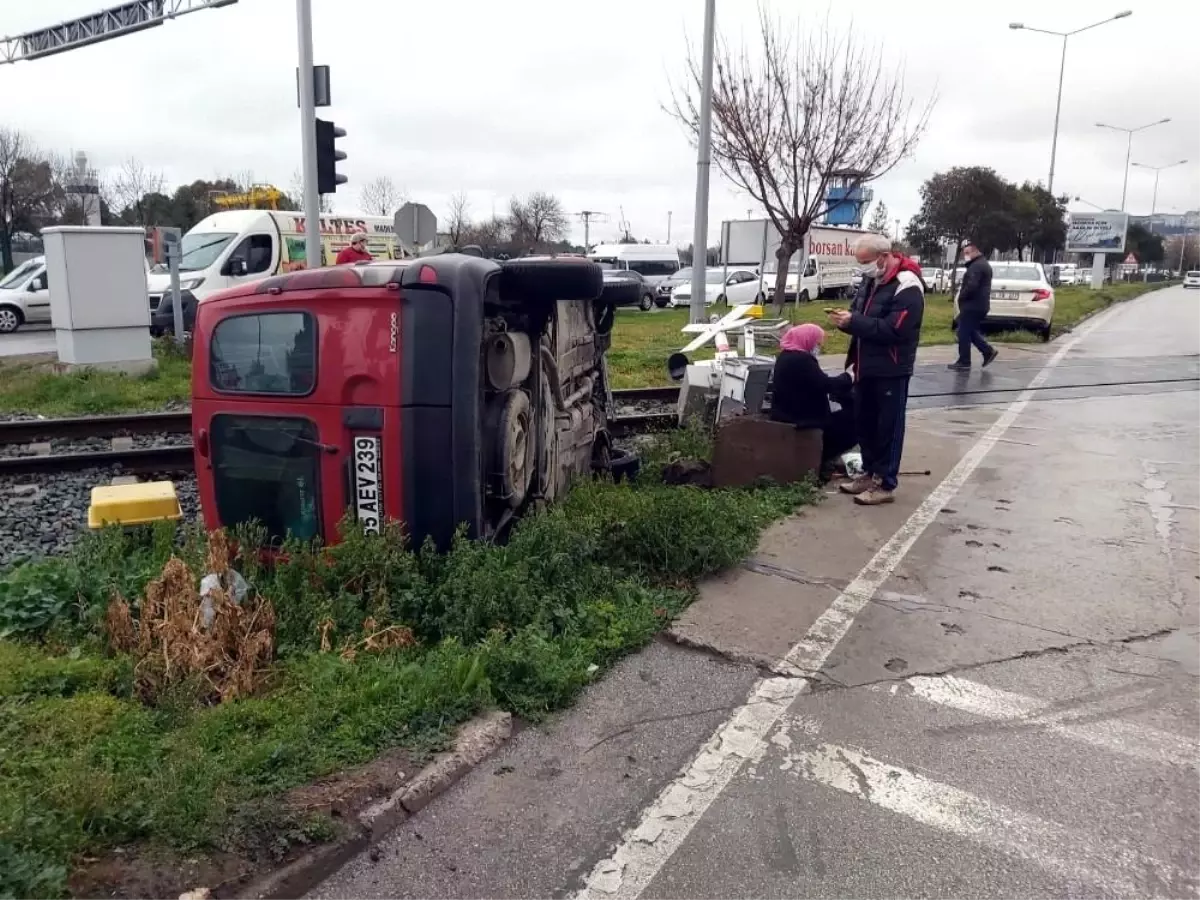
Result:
[804,337]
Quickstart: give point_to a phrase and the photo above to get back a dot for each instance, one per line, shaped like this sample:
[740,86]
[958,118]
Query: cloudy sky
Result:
[502,98]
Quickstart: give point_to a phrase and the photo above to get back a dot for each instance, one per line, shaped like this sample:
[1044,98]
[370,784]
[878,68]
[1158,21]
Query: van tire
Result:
[10,319]
[552,279]
[646,303]
[803,298]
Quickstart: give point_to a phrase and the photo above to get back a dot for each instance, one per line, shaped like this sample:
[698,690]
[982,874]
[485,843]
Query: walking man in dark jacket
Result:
[974,302]
[884,332]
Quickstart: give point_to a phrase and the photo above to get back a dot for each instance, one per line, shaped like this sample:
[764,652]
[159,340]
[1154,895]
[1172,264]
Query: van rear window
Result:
[268,353]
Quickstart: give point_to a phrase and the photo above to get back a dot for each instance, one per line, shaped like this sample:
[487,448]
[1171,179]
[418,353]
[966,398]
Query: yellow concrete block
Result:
[133,504]
[756,311]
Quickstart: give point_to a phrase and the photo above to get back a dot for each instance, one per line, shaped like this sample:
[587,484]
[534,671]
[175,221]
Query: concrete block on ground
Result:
[122,444]
[749,448]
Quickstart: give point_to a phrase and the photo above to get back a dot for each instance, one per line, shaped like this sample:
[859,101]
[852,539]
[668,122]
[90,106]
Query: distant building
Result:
[845,201]
[1170,223]
[83,190]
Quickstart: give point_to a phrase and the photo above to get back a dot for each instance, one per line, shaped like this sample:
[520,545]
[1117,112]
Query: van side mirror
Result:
[37,284]
[236,267]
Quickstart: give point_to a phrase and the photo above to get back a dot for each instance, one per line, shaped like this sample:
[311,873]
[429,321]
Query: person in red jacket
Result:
[357,251]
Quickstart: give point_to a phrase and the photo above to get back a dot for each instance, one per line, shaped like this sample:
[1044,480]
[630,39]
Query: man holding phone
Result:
[884,324]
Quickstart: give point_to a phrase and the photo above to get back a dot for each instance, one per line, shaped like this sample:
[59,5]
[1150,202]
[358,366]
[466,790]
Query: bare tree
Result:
[131,186]
[537,220]
[380,196]
[795,111]
[459,220]
[26,190]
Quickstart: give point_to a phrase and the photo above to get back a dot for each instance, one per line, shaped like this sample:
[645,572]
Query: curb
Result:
[476,741]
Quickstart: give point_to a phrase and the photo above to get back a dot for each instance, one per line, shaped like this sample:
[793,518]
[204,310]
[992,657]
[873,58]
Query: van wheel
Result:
[551,279]
[803,298]
[647,303]
[10,319]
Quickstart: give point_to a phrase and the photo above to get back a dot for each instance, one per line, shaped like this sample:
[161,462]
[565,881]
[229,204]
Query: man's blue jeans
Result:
[969,333]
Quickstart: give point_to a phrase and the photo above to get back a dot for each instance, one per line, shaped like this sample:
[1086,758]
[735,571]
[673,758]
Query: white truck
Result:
[823,268]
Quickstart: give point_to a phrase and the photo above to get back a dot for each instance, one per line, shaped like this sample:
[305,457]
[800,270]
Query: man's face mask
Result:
[870,270]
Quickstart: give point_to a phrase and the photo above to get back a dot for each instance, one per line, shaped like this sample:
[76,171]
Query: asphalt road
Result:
[1002,701]
[28,340]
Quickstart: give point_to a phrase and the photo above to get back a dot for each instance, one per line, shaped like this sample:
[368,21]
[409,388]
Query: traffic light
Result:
[328,156]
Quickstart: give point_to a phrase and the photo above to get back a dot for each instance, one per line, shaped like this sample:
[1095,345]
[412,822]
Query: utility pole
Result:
[668,226]
[703,165]
[586,215]
[308,136]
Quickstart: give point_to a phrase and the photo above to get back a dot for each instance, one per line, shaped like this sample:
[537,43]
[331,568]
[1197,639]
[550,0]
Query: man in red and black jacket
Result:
[884,324]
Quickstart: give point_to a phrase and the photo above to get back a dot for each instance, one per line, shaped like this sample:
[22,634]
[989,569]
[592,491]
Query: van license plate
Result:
[368,493]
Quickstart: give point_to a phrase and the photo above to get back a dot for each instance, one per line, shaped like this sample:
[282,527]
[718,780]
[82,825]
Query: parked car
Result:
[731,285]
[24,295]
[667,285]
[643,298]
[1191,280]
[1021,297]
[934,278]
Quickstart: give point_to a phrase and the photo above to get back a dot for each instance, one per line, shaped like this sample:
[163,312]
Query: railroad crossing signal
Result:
[715,331]
[328,156]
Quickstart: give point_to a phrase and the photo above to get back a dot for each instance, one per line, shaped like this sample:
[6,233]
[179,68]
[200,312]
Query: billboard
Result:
[1102,232]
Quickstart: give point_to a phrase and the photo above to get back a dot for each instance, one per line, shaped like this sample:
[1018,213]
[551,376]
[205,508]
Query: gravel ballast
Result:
[45,515]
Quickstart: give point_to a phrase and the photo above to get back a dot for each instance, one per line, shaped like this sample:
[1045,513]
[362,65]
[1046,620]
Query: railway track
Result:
[179,459]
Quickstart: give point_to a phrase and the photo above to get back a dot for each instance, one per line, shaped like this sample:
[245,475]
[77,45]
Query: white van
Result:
[238,246]
[654,262]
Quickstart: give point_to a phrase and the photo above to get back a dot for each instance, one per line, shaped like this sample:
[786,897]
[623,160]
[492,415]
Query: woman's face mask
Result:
[816,351]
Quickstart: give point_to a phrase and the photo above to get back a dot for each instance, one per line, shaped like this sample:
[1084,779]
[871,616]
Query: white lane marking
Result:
[643,850]
[1109,734]
[1106,863]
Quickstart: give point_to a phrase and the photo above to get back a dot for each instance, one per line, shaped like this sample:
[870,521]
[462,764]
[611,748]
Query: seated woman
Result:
[801,390]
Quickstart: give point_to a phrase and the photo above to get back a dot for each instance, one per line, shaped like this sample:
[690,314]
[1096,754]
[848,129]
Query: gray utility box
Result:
[98,297]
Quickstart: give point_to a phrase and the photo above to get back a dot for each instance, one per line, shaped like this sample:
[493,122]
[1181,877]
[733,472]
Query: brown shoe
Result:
[876,496]
[858,485]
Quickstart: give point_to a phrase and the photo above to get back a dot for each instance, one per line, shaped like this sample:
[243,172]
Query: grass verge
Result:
[115,731]
[642,341]
[35,387]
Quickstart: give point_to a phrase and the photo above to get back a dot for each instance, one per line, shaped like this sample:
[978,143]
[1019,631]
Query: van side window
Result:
[654,267]
[256,251]
[811,268]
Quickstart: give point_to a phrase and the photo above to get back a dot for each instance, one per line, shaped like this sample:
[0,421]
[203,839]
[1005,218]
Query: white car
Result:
[1191,280]
[721,285]
[24,296]
[935,279]
[1021,297]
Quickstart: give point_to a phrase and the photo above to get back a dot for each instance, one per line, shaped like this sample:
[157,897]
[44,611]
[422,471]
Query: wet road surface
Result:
[993,693]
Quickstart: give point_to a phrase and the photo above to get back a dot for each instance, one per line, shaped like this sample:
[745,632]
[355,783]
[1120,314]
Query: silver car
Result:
[24,296]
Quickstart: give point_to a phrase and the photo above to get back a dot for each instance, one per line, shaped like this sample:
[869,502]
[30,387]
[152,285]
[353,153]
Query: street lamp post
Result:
[1020,26]
[1129,132]
[1157,170]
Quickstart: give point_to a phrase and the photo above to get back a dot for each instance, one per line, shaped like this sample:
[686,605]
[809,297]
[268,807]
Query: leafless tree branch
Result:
[459,220]
[380,196]
[801,106]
